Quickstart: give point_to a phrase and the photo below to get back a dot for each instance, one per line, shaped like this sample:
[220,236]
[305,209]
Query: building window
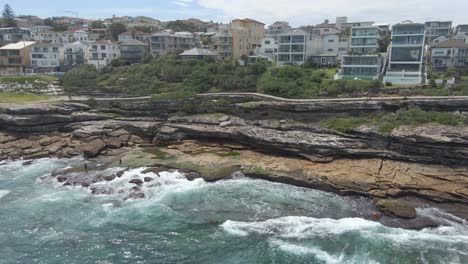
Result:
[331,41]
[267,42]
[330,50]
[103,47]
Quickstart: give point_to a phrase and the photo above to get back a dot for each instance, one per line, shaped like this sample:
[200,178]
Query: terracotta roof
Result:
[451,43]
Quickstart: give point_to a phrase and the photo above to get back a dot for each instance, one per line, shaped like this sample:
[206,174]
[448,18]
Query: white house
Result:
[335,44]
[450,53]
[46,55]
[102,52]
[36,29]
[76,53]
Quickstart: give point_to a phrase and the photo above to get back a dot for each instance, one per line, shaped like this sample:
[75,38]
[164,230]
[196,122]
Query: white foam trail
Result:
[301,250]
[3,193]
[297,227]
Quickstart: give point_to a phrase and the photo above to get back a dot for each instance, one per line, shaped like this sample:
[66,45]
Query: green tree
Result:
[116,29]
[8,16]
[80,78]
[98,24]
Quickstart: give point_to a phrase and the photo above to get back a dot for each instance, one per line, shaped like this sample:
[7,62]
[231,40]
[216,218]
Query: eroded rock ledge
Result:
[428,162]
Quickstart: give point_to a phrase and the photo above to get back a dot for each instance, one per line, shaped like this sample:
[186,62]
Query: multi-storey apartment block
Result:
[76,53]
[450,53]
[231,41]
[292,48]
[15,57]
[14,34]
[277,28]
[436,28]
[365,60]
[133,51]
[141,36]
[102,52]
[163,42]
[406,62]
[255,30]
[460,29]
[46,55]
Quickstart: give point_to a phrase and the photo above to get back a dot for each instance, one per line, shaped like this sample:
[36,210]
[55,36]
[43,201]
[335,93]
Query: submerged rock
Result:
[136,181]
[397,208]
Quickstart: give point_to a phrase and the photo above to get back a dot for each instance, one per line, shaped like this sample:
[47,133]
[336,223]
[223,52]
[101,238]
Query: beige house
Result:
[15,57]
[240,38]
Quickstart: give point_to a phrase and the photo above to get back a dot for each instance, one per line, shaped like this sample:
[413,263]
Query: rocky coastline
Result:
[276,141]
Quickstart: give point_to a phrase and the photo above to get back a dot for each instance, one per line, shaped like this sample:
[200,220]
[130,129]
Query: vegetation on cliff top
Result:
[171,75]
[387,122]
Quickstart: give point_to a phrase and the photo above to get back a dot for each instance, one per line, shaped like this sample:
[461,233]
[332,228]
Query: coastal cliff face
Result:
[279,141]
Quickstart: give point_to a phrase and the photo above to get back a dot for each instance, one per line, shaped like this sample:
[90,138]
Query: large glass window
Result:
[363,41]
[297,57]
[360,60]
[284,48]
[285,39]
[365,32]
[283,57]
[408,29]
[413,54]
[405,67]
[297,48]
[407,40]
[298,39]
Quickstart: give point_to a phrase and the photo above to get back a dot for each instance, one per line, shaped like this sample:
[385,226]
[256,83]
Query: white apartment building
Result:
[40,28]
[335,44]
[292,48]
[102,52]
[407,54]
[76,53]
[46,55]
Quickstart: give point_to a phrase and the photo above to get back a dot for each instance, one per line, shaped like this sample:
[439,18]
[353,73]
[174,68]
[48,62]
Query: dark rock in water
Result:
[397,208]
[62,178]
[110,177]
[136,181]
[29,162]
[120,173]
[136,189]
[102,190]
[192,176]
[84,184]
[66,184]
[136,195]
[148,179]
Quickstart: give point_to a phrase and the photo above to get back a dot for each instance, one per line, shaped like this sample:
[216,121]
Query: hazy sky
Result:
[297,12]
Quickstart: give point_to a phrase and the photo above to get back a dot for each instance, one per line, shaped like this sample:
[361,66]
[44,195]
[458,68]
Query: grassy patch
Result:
[21,98]
[259,171]
[388,122]
[464,78]
[158,153]
[29,79]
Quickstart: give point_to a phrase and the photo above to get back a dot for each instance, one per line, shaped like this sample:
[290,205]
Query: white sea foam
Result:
[297,227]
[3,193]
[302,250]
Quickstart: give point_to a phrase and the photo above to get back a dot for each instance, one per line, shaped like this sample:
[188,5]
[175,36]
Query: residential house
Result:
[407,54]
[364,61]
[15,57]
[450,53]
[14,34]
[102,52]
[137,35]
[163,42]
[463,37]
[198,54]
[256,32]
[97,34]
[36,29]
[439,39]
[133,51]
[322,60]
[292,48]
[231,41]
[461,29]
[76,53]
[46,56]
[277,28]
[437,28]
[335,44]
[48,36]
